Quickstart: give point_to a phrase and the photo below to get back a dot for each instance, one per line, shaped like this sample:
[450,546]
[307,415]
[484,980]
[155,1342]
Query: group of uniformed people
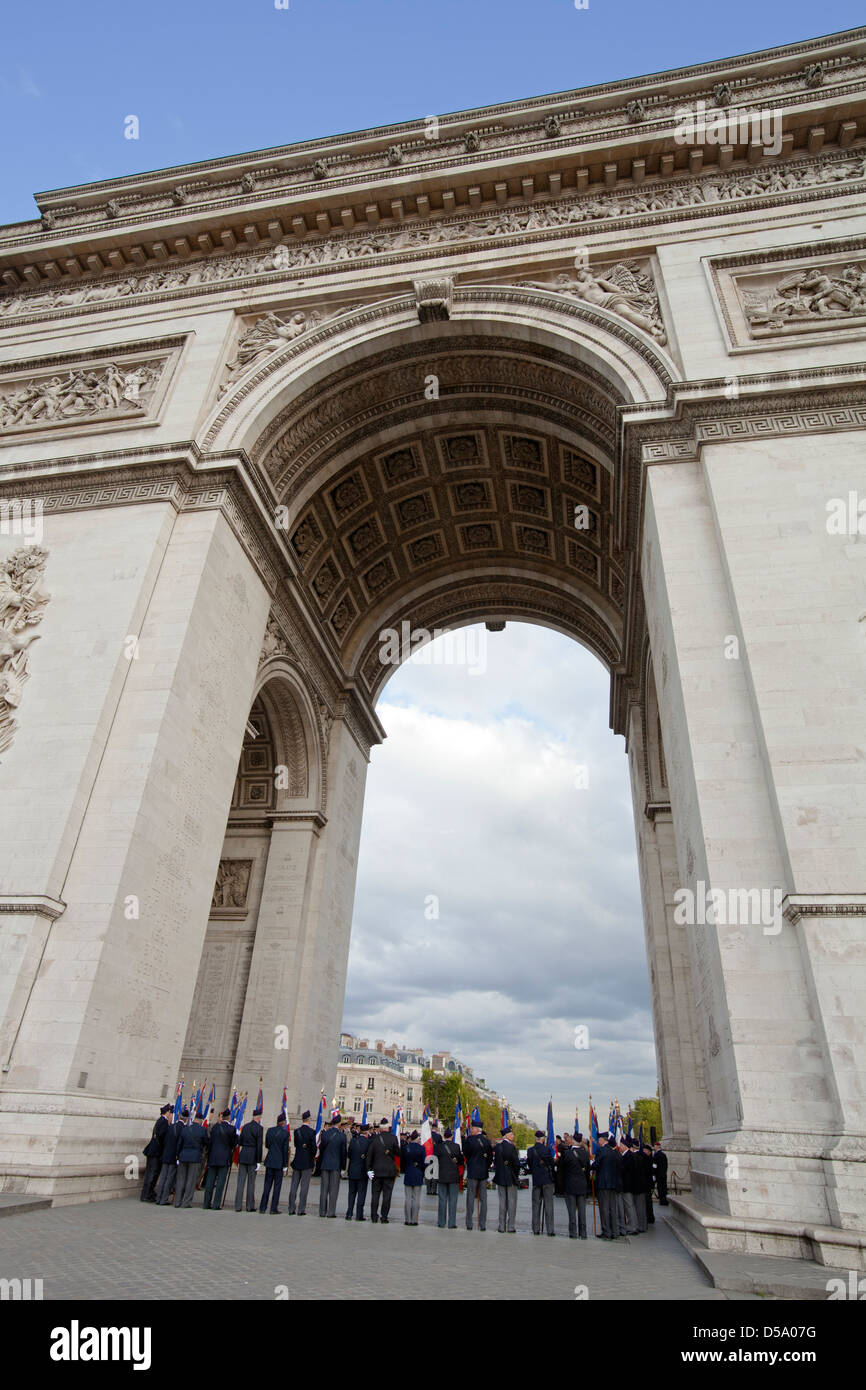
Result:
[623,1172]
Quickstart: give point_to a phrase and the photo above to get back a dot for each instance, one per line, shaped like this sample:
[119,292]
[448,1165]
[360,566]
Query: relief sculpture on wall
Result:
[22,605]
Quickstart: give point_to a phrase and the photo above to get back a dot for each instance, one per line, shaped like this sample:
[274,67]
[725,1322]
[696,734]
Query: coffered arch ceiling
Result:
[451,480]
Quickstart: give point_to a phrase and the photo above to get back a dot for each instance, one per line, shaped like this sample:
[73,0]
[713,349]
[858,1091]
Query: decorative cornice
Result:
[38,903]
[655,202]
[797,907]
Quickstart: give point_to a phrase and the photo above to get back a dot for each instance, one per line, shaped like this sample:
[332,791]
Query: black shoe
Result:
[332,1216]
[360,1218]
[348,1216]
[384,1221]
[375,1220]
[551,1233]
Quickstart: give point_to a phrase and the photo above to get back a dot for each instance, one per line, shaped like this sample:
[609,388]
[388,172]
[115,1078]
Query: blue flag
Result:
[551,1132]
[476,1117]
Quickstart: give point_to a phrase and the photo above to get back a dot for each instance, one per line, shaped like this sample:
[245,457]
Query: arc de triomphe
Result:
[593,361]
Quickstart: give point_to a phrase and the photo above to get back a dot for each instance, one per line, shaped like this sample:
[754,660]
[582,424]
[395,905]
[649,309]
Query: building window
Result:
[371,1082]
[357,1107]
[342,1083]
[409,1094]
[347,1059]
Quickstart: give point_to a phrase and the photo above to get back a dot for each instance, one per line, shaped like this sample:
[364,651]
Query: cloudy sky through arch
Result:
[501,799]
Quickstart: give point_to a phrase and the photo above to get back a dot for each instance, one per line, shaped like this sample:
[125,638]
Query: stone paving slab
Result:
[124,1249]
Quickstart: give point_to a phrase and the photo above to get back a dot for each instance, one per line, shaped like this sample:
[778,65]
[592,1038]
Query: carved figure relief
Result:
[802,298]
[268,334]
[22,605]
[232,884]
[97,393]
[625,289]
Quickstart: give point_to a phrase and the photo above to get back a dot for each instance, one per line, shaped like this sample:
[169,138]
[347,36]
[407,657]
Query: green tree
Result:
[648,1109]
[440,1093]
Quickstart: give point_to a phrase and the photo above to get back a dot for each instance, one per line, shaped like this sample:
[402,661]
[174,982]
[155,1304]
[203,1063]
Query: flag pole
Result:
[591,1175]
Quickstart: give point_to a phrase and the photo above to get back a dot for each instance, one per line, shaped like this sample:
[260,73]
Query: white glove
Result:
[370,1174]
[258,1166]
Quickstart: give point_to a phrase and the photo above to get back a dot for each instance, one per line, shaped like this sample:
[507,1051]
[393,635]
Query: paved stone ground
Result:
[125,1250]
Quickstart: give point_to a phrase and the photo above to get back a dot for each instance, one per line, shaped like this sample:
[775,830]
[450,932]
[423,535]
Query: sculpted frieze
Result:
[782,294]
[22,606]
[678,196]
[802,300]
[94,393]
[626,289]
[270,332]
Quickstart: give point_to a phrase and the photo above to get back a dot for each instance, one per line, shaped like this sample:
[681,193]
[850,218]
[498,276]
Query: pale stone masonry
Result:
[553,361]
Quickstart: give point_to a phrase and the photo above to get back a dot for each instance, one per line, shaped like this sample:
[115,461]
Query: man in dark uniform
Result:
[449,1156]
[381,1156]
[478,1153]
[574,1162]
[333,1162]
[221,1146]
[541,1161]
[168,1171]
[629,1200]
[645,1163]
[607,1167]
[412,1160]
[302,1165]
[191,1154]
[660,1173]
[431,1169]
[249,1158]
[153,1154]
[506,1175]
[277,1140]
[357,1158]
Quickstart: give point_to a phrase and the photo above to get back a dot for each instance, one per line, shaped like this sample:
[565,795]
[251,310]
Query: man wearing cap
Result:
[541,1161]
[381,1157]
[449,1155]
[168,1171]
[249,1158]
[478,1153]
[607,1166]
[660,1173]
[412,1160]
[191,1154]
[357,1159]
[302,1165]
[574,1163]
[333,1162]
[506,1175]
[153,1154]
[276,1163]
[221,1146]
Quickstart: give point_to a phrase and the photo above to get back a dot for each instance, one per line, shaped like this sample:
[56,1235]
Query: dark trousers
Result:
[151,1173]
[607,1212]
[357,1197]
[507,1208]
[447,1204]
[479,1186]
[273,1178]
[185,1185]
[300,1180]
[650,1214]
[329,1191]
[382,1187]
[246,1182]
[214,1186]
[576,1208]
[542,1197]
[165,1186]
[662,1189]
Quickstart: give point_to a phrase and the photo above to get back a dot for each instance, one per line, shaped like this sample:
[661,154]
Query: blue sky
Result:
[226,76]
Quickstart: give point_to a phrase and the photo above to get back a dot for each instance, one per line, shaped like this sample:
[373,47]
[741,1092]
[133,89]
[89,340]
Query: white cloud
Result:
[473,800]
